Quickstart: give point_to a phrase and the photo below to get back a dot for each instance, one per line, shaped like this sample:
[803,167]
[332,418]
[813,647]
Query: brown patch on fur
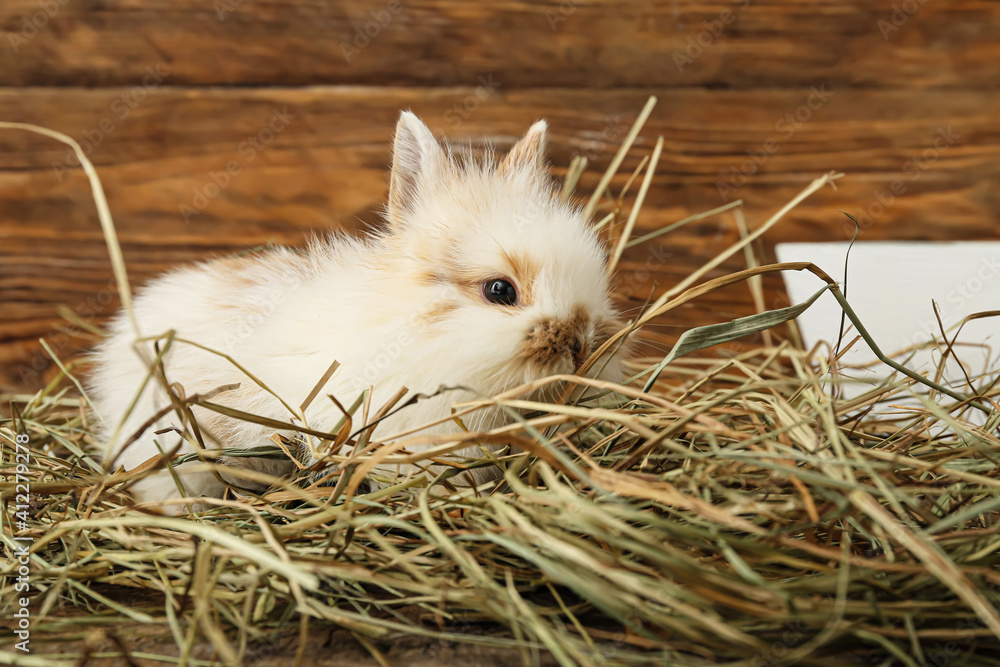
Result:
[553,339]
[233,276]
[438,312]
[237,272]
[467,280]
[430,278]
[524,271]
[521,269]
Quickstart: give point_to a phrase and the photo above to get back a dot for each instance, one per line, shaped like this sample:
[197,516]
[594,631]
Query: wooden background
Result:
[163,93]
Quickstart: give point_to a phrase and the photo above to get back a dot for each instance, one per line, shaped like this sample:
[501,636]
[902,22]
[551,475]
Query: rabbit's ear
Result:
[529,151]
[416,159]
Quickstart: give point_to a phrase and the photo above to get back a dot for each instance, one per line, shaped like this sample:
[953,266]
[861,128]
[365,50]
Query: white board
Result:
[891,286]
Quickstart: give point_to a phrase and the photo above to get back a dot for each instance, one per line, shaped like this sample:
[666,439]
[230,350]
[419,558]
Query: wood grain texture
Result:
[327,169]
[599,44]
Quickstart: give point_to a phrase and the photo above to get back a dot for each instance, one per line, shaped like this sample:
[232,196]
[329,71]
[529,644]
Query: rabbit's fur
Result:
[402,308]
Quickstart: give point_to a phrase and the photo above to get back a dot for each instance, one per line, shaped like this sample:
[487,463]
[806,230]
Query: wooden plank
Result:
[568,43]
[327,169]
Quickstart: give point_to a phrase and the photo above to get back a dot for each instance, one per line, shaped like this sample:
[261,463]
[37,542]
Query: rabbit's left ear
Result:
[417,159]
[529,151]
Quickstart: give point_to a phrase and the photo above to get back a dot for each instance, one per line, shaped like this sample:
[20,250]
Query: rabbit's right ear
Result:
[417,159]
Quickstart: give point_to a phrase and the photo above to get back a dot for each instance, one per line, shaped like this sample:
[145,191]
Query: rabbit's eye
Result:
[500,291]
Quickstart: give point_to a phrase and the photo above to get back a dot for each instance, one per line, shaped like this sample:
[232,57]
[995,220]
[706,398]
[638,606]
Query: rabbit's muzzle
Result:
[558,344]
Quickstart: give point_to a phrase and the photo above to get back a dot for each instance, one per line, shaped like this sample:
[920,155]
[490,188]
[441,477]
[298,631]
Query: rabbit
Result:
[482,279]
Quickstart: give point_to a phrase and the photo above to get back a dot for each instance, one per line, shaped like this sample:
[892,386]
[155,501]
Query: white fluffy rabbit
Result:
[482,279]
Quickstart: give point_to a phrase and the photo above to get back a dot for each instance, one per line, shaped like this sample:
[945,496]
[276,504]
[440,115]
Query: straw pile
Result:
[733,512]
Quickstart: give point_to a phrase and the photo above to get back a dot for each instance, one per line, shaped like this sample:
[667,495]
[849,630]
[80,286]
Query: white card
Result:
[890,286]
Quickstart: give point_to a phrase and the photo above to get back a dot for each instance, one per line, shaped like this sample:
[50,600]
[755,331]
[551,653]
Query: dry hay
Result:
[737,512]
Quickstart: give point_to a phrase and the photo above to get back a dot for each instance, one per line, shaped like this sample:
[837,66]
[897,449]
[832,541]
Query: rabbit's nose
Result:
[555,343]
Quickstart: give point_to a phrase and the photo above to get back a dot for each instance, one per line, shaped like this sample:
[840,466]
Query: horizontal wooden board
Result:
[594,44]
[326,169]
